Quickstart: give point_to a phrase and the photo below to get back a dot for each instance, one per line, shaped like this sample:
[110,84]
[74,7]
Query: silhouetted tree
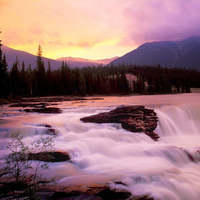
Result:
[78,82]
[88,75]
[49,78]
[4,80]
[0,53]
[97,80]
[29,74]
[40,75]
[15,78]
[23,80]
[123,84]
[3,74]
[1,71]
[66,79]
[139,86]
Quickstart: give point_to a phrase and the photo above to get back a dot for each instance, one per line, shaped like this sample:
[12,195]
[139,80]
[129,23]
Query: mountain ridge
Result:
[29,58]
[183,53]
[86,62]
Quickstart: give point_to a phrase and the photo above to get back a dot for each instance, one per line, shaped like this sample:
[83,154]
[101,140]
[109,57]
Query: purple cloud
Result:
[162,20]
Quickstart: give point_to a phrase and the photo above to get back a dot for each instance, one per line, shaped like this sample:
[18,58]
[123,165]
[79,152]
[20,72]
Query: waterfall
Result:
[178,120]
[164,169]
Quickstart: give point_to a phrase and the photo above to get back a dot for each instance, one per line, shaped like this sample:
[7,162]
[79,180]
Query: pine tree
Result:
[15,78]
[123,84]
[1,71]
[0,53]
[23,80]
[5,79]
[4,86]
[49,79]
[29,74]
[41,81]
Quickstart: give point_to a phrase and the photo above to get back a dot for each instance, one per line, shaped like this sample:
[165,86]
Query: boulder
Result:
[55,156]
[93,192]
[50,130]
[34,105]
[77,197]
[134,118]
[48,110]
[96,192]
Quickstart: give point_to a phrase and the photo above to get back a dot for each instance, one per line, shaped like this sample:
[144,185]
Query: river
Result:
[165,169]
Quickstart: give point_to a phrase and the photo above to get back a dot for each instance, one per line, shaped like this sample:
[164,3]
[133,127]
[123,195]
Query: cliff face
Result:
[132,118]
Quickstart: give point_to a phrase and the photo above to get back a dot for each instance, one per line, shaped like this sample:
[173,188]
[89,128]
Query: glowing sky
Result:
[94,29]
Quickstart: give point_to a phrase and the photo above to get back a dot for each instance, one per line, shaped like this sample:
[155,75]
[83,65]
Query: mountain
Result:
[81,62]
[184,54]
[28,58]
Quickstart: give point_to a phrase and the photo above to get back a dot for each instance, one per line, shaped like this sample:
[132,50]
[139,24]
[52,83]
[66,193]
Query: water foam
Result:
[164,169]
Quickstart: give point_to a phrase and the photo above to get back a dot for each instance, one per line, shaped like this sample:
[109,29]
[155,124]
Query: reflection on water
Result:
[167,169]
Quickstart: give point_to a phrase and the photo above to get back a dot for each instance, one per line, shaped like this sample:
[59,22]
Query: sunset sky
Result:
[94,29]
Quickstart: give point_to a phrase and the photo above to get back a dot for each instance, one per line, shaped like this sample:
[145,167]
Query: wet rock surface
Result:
[93,192]
[50,129]
[101,191]
[44,104]
[46,110]
[79,197]
[23,102]
[55,156]
[26,104]
[132,118]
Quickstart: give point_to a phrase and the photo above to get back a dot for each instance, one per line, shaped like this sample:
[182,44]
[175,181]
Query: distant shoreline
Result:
[46,99]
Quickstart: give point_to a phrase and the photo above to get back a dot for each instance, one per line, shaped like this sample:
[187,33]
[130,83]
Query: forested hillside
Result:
[22,80]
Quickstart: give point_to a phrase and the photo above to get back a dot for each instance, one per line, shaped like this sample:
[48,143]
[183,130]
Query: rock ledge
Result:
[134,118]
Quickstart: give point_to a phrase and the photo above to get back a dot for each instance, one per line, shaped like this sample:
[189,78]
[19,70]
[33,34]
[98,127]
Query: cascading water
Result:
[178,120]
[164,169]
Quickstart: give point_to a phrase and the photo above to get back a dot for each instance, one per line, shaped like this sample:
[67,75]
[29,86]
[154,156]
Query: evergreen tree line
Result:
[22,80]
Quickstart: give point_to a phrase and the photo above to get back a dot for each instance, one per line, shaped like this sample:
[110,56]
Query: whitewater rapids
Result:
[165,169]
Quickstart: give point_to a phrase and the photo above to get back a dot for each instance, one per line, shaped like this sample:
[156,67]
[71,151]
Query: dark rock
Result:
[50,130]
[96,98]
[142,197]
[195,157]
[190,157]
[108,194]
[89,192]
[86,192]
[55,156]
[93,192]
[37,107]
[44,110]
[132,118]
[34,105]
[65,196]
[53,99]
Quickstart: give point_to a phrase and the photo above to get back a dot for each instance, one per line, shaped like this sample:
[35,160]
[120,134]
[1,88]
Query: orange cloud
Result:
[94,29]
[3,3]
[59,23]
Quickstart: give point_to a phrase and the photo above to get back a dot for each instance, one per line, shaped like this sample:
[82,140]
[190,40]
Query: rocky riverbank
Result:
[49,99]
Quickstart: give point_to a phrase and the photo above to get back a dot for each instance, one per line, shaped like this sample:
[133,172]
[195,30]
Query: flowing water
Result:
[165,169]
